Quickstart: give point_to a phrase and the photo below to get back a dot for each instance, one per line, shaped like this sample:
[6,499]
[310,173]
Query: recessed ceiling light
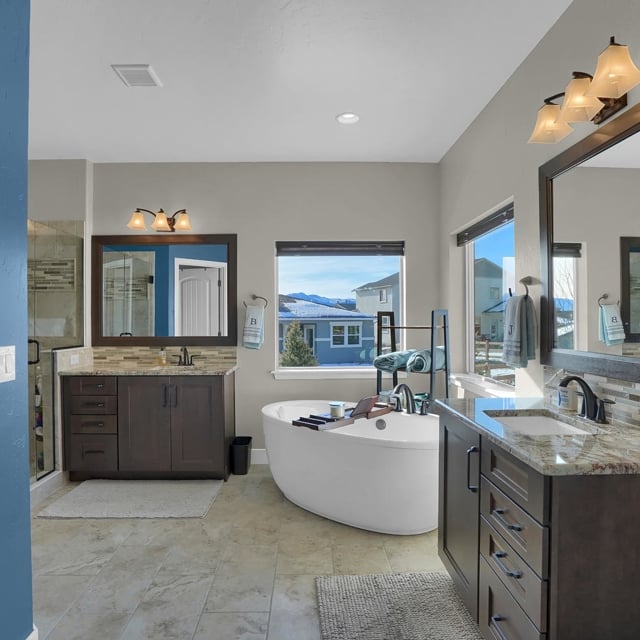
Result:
[347,118]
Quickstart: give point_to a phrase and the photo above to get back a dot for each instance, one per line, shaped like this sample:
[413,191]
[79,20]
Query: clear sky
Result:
[334,276]
[496,244]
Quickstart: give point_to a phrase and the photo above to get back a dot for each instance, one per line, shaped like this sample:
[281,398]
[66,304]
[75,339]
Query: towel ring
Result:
[255,297]
[604,296]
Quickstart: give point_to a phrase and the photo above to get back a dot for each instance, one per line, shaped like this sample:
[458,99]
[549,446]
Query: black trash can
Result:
[241,455]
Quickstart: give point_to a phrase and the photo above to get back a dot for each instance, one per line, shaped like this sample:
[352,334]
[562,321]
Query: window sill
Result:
[480,386]
[329,373]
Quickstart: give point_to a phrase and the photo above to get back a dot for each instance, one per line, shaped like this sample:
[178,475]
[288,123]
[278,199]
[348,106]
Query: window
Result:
[346,335]
[332,291]
[565,281]
[490,275]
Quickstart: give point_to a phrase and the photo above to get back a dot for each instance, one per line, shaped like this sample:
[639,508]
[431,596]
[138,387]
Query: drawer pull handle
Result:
[93,424]
[497,556]
[495,619]
[94,404]
[470,450]
[498,513]
[87,451]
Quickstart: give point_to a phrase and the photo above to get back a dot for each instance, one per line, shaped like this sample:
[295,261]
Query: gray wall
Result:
[492,162]
[263,203]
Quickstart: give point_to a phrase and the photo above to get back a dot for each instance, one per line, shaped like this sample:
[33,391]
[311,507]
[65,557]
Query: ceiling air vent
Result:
[137,75]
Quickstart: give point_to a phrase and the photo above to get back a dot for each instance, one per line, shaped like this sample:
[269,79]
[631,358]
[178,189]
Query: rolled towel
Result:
[420,361]
[393,361]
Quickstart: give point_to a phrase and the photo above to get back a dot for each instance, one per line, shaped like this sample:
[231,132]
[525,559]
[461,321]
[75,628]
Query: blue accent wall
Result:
[15,526]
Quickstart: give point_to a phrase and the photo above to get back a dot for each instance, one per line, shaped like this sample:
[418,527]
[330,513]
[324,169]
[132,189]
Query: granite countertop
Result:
[115,369]
[603,449]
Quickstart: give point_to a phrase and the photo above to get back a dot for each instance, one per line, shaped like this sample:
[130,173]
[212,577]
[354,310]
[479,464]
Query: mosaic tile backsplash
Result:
[625,395]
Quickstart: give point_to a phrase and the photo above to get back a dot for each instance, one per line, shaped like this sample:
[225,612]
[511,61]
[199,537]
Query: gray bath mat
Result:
[400,606]
[136,499]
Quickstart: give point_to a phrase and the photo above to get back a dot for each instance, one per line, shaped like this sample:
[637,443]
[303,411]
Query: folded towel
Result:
[253,335]
[520,331]
[420,361]
[610,329]
[392,361]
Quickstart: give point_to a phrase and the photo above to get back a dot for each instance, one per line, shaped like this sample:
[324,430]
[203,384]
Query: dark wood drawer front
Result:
[500,615]
[529,539]
[94,424]
[519,481]
[91,405]
[93,385]
[523,584]
[93,453]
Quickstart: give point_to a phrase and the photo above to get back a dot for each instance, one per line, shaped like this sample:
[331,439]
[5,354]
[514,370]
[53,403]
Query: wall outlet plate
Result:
[7,363]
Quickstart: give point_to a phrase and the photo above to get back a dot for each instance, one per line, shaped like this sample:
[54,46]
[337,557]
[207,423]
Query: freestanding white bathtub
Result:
[379,474]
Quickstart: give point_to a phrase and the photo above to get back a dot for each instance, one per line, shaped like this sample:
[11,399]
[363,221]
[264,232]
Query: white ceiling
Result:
[262,80]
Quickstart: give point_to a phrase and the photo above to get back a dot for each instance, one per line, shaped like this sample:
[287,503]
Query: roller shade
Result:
[491,222]
[348,248]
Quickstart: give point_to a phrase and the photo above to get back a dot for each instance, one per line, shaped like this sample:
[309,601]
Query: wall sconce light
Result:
[589,98]
[179,220]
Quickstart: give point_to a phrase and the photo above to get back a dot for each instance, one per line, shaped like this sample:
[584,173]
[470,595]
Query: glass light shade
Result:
[182,222]
[161,223]
[137,221]
[615,74]
[577,106]
[549,128]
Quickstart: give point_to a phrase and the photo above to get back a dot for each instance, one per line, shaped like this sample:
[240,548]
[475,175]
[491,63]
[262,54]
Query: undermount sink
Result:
[535,424]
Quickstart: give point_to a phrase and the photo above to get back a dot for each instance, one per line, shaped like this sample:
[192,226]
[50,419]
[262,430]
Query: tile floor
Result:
[244,572]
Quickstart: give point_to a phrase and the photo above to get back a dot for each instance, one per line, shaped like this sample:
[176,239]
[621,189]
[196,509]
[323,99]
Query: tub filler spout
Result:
[402,391]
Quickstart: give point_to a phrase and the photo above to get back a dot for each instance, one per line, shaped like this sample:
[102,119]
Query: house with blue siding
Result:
[336,335]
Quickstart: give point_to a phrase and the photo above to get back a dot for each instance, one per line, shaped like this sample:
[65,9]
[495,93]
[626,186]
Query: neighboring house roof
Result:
[484,268]
[388,281]
[291,308]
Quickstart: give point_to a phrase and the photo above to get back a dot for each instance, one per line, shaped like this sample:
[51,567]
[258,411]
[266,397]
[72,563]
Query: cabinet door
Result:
[458,515]
[144,423]
[197,424]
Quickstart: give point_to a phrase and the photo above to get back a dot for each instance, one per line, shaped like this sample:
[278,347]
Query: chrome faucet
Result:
[590,401]
[398,392]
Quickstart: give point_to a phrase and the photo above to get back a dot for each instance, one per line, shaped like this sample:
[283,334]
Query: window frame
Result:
[337,248]
[466,239]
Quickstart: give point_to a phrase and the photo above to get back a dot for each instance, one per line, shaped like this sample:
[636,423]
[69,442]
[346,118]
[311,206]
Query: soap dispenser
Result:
[162,356]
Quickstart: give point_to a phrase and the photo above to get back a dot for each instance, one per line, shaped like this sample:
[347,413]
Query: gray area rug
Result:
[400,606]
[136,499]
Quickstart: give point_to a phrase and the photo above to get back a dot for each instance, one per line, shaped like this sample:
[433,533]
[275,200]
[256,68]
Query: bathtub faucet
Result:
[402,390]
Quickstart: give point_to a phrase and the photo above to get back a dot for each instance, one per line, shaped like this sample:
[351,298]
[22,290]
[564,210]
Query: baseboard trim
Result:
[42,489]
[259,456]
[34,634]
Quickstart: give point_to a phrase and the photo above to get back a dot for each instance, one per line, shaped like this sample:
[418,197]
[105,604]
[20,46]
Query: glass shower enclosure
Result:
[55,298]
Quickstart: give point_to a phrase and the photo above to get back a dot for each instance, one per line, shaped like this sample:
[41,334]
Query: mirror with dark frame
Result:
[164,290]
[588,195]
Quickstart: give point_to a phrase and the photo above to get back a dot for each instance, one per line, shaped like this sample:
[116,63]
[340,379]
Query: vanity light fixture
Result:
[550,127]
[589,98]
[616,74]
[161,222]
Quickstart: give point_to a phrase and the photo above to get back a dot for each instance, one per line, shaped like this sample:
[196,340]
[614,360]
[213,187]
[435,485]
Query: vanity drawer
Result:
[93,385]
[520,482]
[93,453]
[529,591]
[500,615]
[91,405]
[94,424]
[528,538]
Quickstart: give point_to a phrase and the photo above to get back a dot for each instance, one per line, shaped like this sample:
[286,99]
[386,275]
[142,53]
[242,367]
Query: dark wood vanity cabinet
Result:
[459,499]
[538,557]
[158,426]
[90,423]
[175,423]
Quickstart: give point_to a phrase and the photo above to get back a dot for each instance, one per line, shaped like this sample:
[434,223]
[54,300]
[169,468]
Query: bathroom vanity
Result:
[157,422]
[539,531]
